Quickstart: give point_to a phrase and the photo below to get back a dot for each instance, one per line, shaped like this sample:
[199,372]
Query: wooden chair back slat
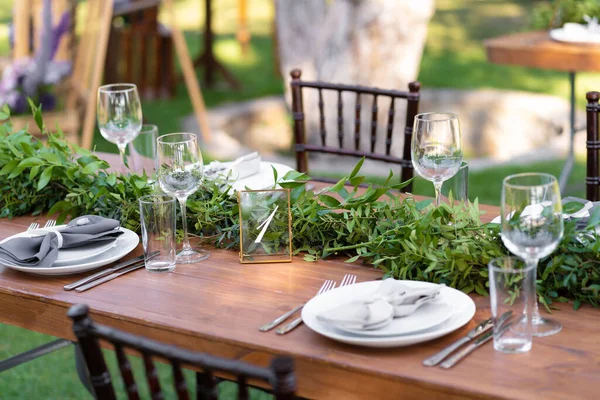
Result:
[340,107]
[322,130]
[152,378]
[206,386]
[126,374]
[302,148]
[179,381]
[592,180]
[279,375]
[357,109]
[374,117]
[390,127]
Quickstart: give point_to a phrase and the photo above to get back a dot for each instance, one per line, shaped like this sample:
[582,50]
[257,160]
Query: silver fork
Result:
[327,285]
[33,226]
[348,279]
[50,223]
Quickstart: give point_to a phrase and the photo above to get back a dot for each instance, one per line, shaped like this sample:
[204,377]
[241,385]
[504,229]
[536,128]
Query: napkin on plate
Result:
[240,168]
[393,299]
[41,251]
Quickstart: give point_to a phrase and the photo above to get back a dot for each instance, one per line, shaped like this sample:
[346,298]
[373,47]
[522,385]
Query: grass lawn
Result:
[454,57]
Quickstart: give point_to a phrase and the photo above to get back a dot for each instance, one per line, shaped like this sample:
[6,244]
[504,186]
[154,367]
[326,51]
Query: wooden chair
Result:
[280,375]
[302,148]
[592,181]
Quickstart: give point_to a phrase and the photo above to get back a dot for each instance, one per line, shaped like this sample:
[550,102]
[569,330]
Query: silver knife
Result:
[467,349]
[105,272]
[473,333]
[138,265]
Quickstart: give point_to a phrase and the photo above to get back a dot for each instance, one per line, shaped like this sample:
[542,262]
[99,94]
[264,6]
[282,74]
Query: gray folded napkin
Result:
[42,251]
[393,299]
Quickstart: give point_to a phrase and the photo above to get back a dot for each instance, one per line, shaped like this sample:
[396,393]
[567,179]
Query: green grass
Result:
[454,56]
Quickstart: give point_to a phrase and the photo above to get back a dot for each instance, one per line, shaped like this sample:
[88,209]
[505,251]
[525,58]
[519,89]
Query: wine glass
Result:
[436,148]
[532,227]
[180,173]
[119,114]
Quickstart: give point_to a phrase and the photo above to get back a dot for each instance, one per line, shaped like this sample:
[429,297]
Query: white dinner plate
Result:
[426,317]
[124,245]
[463,309]
[580,36]
[264,178]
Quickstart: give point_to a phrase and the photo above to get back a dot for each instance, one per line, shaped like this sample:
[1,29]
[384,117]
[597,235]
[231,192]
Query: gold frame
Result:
[242,260]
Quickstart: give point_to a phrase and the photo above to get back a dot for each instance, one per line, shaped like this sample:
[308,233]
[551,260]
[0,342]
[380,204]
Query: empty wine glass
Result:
[119,114]
[436,148]
[532,227]
[180,173]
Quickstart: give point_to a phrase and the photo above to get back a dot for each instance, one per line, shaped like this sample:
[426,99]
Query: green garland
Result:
[407,239]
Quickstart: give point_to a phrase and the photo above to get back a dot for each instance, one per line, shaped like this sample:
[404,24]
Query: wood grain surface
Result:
[216,306]
[538,50]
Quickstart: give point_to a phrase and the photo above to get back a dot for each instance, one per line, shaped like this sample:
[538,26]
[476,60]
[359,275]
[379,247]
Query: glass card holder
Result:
[265,226]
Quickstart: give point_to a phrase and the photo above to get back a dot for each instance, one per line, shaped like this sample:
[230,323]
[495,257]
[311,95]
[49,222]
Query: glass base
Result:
[545,327]
[192,256]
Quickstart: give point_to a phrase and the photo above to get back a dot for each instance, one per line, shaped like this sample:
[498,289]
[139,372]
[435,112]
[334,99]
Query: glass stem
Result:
[186,240]
[123,156]
[438,192]
[535,315]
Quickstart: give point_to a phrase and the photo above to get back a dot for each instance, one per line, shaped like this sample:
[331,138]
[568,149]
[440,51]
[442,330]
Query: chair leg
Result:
[33,354]
[81,368]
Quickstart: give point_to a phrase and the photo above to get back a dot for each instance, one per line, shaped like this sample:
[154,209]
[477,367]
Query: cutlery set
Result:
[108,274]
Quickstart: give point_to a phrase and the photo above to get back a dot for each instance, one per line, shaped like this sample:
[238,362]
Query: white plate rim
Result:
[107,257]
[462,314]
[265,167]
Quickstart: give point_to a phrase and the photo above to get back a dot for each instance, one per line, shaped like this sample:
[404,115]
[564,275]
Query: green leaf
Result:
[329,201]
[5,112]
[44,178]
[8,167]
[357,168]
[92,167]
[572,207]
[338,186]
[30,162]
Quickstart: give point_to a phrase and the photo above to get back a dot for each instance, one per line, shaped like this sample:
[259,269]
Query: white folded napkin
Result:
[240,168]
[537,209]
[393,299]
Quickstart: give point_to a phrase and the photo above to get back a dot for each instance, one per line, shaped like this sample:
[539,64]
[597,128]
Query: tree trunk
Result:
[367,42]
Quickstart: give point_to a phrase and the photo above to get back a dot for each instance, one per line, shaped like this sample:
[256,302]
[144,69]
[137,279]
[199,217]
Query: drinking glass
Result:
[512,286]
[142,151]
[532,227]
[119,114]
[157,218]
[457,185]
[436,148]
[180,173]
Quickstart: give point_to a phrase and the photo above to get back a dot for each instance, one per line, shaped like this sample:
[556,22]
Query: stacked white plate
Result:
[84,258]
[451,310]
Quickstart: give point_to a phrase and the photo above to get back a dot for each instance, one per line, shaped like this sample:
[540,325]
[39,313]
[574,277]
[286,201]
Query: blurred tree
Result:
[366,42]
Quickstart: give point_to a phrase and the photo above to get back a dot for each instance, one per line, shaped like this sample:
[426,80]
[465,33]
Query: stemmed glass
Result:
[532,227]
[180,173]
[436,148]
[119,114]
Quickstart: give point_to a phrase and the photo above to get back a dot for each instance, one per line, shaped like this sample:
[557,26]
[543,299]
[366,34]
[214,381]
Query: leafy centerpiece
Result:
[406,238]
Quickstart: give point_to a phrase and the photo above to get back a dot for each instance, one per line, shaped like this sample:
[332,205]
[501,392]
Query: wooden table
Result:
[538,50]
[216,306]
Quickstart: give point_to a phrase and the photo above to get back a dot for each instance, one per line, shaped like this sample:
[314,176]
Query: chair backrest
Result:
[592,180]
[302,147]
[279,376]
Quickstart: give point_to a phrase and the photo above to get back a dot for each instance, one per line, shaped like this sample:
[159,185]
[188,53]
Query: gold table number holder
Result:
[265,226]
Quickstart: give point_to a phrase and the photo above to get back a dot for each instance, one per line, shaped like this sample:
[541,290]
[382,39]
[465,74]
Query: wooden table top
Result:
[538,50]
[216,306]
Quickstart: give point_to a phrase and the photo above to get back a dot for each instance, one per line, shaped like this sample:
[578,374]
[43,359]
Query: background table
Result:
[217,305]
[538,50]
